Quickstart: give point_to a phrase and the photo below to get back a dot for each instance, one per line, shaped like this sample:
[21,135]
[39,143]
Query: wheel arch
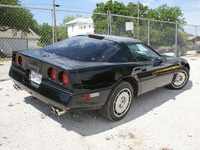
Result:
[187,66]
[133,83]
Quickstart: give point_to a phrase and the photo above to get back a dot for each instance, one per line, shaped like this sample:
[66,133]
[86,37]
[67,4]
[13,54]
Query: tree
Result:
[45,33]
[161,34]
[16,18]
[101,21]
[118,23]
[166,13]
[62,29]
[133,9]
[165,32]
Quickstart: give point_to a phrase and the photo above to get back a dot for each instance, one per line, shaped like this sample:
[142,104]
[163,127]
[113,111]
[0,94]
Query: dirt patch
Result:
[193,59]
[125,139]
[11,105]
[42,116]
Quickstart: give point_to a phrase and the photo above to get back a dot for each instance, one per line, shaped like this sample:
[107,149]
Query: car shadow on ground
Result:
[88,123]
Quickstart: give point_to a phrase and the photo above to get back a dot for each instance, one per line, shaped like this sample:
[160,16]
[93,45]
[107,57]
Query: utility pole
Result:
[138,36]
[54,21]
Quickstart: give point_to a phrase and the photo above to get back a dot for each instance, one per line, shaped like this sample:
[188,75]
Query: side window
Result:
[113,54]
[141,52]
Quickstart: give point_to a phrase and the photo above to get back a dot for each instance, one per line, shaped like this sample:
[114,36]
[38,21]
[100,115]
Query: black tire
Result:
[180,79]
[119,102]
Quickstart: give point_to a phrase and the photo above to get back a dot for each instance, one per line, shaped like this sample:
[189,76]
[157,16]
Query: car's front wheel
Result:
[119,102]
[180,79]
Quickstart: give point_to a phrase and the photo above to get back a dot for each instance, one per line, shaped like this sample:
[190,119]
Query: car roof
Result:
[118,39]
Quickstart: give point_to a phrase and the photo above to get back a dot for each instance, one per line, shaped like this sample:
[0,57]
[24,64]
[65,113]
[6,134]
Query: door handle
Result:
[143,69]
[139,69]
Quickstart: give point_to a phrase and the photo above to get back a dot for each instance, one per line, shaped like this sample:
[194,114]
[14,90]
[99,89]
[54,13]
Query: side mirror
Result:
[159,60]
[163,59]
[156,61]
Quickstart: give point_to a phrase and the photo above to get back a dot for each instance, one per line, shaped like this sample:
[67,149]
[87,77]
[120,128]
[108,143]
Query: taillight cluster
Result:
[18,60]
[52,73]
[15,58]
[62,76]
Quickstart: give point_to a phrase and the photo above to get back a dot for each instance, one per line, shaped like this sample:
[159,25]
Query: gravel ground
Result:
[4,69]
[162,119]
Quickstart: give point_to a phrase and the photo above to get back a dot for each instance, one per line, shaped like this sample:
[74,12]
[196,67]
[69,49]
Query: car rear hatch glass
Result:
[83,48]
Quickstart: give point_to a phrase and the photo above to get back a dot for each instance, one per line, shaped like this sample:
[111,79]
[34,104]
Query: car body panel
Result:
[90,78]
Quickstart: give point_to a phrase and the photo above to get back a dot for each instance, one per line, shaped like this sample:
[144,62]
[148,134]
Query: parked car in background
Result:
[92,71]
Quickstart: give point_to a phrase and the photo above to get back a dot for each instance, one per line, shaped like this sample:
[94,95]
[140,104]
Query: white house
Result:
[80,26]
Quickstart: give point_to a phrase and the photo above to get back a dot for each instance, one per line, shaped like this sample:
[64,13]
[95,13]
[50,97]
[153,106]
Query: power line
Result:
[41,11]
[75,7]
[34,4]
[52,5]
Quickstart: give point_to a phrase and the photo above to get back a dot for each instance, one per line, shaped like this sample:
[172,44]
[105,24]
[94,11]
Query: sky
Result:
[190,9]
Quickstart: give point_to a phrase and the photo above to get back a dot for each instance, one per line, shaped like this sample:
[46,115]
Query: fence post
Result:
[148,34]
[176,54]
[195,40]
[52,25]
[110,23]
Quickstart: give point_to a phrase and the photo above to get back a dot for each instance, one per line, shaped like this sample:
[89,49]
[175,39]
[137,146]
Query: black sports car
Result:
[101,72]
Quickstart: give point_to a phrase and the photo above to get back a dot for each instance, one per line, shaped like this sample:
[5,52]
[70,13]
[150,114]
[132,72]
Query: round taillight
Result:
[15,58]
[20,60]
[52,73]
[63,77]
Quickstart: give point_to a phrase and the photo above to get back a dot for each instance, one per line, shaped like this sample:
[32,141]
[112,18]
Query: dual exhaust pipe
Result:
[57,111]
[17,87]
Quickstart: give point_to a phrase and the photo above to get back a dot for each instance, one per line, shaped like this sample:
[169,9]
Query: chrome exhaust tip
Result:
[53,109]
[57,111]
[17,87]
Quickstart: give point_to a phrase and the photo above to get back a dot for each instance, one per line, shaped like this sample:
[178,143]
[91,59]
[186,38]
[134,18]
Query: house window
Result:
[81,27]
[89,26]
[84,27]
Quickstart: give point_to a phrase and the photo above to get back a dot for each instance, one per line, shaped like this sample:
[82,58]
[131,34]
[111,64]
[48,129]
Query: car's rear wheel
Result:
[180,79]
[119,102]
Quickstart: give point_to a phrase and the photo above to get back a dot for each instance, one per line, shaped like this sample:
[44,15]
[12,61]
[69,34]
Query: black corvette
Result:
[95,72]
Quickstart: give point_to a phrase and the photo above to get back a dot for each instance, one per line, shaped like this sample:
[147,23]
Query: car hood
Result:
[175,60]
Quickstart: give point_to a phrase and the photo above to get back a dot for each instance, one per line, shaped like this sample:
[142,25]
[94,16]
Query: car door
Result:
[152,71]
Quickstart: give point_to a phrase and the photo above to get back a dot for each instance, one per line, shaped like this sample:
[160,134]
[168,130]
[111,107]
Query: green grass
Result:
[5,59]
[164,47]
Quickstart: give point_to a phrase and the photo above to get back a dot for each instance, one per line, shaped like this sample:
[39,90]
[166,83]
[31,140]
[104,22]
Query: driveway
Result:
[162,119]
[4,69]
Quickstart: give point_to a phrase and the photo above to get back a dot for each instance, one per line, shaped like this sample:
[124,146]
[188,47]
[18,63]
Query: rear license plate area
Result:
[36,79]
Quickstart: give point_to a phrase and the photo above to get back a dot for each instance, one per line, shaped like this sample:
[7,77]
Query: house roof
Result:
[80,21]
[13,33]
[189,38]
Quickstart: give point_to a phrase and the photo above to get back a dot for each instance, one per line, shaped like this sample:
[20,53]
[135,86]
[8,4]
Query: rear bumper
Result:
[59,98]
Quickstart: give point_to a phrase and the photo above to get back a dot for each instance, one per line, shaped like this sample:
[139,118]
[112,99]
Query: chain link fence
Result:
[20,30]
[165,37]
[24,28]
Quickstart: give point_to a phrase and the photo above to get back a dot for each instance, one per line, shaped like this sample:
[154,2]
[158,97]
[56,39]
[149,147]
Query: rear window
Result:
[82,48]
